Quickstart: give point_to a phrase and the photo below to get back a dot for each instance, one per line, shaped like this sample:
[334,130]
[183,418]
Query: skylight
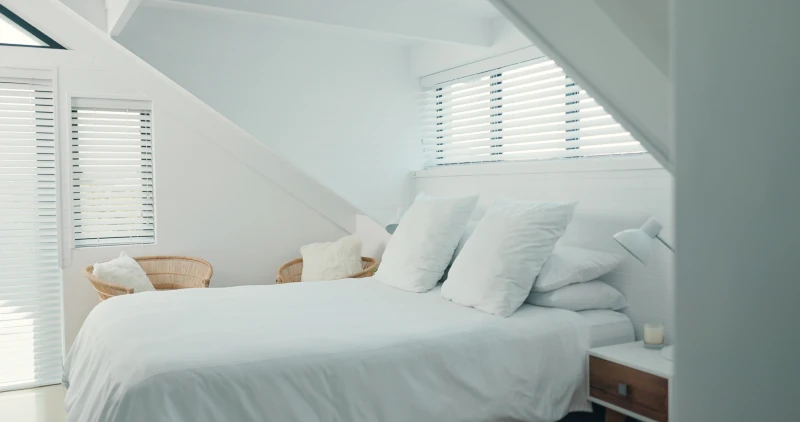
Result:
[11,33]
[15,31]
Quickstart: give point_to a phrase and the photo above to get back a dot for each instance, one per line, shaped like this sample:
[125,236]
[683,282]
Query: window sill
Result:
[576,165]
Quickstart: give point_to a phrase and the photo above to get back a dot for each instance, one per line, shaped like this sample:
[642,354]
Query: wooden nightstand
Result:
[629,380]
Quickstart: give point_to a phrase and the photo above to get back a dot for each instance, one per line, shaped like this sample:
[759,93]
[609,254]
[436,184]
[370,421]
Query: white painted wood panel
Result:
[611,198]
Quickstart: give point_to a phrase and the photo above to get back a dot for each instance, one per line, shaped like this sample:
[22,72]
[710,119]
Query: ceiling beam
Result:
[118,13]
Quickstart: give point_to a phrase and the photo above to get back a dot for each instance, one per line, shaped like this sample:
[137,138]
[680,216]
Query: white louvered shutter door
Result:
[524,112]
[112,173]
[30,277]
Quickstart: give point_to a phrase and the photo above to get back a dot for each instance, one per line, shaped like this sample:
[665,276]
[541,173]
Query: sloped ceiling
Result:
[78,35]
[646,24]
[456,21]
[93,11]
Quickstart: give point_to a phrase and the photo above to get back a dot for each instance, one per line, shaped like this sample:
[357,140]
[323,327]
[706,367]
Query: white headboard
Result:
[614,193]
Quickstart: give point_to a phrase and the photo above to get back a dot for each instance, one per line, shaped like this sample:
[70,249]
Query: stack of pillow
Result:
[569,280]
[495,265]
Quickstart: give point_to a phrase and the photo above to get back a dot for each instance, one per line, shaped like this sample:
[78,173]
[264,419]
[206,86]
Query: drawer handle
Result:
[622,389]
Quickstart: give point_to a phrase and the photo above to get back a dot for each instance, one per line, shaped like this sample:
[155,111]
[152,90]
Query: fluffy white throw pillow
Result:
[581,297]
[124,271]
[569,265]
[423,244]
[461,242]
[331,260]
[494,272]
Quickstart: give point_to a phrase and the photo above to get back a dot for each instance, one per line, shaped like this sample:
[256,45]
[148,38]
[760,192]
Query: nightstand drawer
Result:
[642,393]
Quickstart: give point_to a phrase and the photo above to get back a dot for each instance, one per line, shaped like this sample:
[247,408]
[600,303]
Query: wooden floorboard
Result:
[596,416]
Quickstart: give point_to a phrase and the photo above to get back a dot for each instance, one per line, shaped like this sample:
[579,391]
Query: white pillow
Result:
[568,265]
[331,260]
[495,270]
[581,297]
[124,271]
[423,244]
[468,230]
[461,242]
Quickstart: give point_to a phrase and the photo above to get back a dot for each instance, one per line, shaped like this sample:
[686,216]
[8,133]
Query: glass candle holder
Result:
[654,336]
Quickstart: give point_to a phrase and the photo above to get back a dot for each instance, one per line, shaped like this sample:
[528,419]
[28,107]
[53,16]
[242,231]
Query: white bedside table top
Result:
[634,355]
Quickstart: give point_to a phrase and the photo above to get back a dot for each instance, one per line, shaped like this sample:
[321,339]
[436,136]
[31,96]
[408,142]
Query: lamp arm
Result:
[665,243]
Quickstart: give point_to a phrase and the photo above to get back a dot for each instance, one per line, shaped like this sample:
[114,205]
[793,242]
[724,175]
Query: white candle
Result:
[654,334]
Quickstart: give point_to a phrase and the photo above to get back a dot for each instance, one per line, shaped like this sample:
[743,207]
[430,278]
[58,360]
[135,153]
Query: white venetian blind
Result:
[529,111]
[112,173]
[30,277]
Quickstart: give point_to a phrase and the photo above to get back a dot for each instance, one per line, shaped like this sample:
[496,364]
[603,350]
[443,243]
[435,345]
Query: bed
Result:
[350,350]
[608,327]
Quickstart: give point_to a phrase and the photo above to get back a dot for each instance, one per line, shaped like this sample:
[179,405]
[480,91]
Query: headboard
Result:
[614,193]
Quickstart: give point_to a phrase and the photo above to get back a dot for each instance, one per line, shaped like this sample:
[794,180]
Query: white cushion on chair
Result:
[331,260]
[124,271]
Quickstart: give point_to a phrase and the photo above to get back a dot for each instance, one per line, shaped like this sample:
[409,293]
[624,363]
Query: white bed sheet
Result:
[347,350]
[608,327]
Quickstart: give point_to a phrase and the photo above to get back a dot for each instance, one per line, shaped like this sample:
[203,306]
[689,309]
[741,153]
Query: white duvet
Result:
[347,350]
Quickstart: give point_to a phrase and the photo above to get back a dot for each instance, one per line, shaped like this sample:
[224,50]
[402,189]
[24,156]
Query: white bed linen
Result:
[607,327]
[347,350]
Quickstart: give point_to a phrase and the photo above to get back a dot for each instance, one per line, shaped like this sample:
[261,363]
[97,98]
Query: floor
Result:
[597,416]
[46,404]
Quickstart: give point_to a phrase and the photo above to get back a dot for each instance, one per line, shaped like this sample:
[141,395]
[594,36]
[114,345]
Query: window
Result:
[30,276]
[14,31]
[112,173]
[529,111]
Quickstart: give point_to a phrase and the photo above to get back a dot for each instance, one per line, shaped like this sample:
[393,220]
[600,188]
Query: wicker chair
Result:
[165,272]
[291,271]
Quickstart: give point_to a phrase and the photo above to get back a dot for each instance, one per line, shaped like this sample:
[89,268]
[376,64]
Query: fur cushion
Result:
[124,271]
[331,260]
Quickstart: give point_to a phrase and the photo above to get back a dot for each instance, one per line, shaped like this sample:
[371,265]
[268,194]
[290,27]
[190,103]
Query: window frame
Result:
[68,232]
[59,179]
[13,17]
[487,69]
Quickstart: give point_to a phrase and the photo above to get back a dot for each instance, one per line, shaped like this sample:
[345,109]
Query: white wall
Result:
[338,104]
[213,198]
[614,193]
[429,58]
[737,208]
[373,235]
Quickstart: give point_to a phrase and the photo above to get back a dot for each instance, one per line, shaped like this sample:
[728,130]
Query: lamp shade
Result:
[640,242]
[637,243]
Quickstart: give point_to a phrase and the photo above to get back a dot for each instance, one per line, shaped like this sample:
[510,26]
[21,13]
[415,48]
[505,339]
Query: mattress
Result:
[607,327]
[346,350]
